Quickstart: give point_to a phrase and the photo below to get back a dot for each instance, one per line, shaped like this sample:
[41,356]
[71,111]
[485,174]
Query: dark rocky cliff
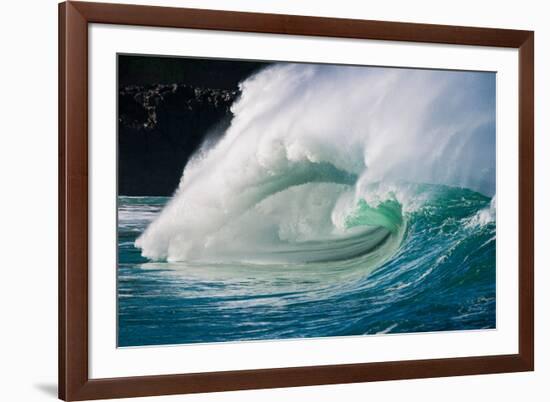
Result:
[160,127]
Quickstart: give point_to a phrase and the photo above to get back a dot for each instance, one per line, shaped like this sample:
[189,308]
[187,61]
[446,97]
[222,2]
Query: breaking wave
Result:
[325,163]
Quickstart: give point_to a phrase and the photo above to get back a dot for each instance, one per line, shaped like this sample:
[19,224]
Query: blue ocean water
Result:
[427,268]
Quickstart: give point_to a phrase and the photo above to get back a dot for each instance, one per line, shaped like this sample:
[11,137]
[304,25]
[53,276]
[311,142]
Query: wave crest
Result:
[291,180]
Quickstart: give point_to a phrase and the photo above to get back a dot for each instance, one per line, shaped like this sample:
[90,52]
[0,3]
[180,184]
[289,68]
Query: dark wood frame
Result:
[74,383]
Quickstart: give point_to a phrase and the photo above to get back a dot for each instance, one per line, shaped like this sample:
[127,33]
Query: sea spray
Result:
[314,139]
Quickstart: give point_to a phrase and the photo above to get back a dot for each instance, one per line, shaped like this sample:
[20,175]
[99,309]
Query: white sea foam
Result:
[483,217]
[305,143]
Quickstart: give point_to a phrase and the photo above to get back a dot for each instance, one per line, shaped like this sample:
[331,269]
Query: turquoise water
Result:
[427,268]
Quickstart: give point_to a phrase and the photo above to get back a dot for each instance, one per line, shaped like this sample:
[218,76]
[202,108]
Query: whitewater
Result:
[350,200]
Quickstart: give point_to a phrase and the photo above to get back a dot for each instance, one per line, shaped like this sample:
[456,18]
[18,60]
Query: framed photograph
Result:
[258,200]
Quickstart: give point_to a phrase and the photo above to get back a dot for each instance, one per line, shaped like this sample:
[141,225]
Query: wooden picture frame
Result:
[74,381]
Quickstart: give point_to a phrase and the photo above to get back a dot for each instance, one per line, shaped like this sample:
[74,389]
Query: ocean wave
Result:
[315,164]
[432,272]
[338,202]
